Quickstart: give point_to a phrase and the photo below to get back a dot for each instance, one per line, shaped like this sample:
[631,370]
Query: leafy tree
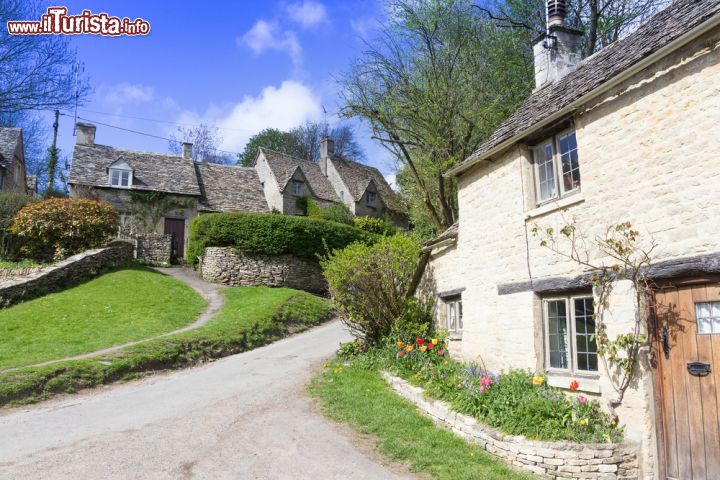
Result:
[311,133]
[433,86]
[206,142]
[274,139]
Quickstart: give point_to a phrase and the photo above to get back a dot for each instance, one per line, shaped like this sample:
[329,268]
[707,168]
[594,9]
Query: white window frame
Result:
[713,319]
[454,306]
[571,332]
[559,185]
[297,187]
[120,172]
[370,198]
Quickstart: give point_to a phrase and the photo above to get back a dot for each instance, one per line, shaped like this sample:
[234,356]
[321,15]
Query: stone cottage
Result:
[276,182]
[630,134]
[12,162]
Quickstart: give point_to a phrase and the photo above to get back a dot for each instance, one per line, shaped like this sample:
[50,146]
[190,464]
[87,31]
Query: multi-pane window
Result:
[454,315]
[370,198]
[297,188]
[708,317]
[120,178]
[570,334]
[557,167]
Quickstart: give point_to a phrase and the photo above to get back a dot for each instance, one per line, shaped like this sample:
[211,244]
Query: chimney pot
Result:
[85,133]
[187,150]
[327,149]
[556,12]
[559,50]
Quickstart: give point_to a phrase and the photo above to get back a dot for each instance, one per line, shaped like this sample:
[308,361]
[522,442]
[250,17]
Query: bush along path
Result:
[250,317]
[210,292]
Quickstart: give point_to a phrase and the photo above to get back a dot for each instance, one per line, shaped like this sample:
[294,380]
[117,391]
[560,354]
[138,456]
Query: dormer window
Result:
[557,167]
[370,199]
[297,188]
[120,174]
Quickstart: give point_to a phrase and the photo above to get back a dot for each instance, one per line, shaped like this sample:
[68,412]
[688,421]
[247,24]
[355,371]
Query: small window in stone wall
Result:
[557,167]
[454,314]
[570,334]
[297,188]
[370,199]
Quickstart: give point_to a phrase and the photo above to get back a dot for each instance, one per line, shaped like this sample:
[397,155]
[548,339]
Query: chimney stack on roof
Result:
[327,150]
[85,133]
[559,50]
[187,150]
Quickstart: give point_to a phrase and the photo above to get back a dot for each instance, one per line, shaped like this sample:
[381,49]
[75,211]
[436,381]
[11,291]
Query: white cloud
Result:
[124,93]
[307,13]
[265,36]
[364,27]
[283,107]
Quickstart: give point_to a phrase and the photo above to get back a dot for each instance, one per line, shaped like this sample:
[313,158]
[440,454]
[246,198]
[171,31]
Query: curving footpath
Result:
[209,291]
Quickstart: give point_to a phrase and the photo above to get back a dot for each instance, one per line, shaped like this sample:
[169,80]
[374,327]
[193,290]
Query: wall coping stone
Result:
[553,459]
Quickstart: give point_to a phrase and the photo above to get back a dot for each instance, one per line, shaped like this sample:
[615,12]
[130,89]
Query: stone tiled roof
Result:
[151,171]
[9,138]
[357,177]
[283,167]
[227,188]
[451,232]
[663,28]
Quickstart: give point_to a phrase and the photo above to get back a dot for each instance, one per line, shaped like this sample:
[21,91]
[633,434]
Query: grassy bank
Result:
[251,317]
[127,304]
[357,395]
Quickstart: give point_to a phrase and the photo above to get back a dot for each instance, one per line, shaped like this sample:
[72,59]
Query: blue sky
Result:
[241,66]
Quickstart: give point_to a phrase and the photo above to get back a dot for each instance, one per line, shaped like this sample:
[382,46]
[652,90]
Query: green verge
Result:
[129,303]
[250,318]
[357,395]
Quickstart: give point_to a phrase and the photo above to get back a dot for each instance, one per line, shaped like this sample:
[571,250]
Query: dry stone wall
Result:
[67,273]
[154,248]
[557,460]
[224,265]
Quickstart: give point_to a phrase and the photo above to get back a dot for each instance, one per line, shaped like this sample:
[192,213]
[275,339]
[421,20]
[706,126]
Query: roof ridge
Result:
[142,152]
[288,155]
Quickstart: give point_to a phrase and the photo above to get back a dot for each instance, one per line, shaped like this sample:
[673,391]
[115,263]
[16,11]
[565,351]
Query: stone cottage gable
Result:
[283,168]
[559,99]
[151,171]
[358,177]
[10,143]
[226,188]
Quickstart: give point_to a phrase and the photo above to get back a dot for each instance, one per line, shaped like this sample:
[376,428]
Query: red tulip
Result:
[574,385]
[430,345]
[420,341]
[441,352]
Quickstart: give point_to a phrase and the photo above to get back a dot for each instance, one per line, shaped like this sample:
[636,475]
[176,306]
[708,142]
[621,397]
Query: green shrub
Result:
[379,226]
[10,205]
[337,212]
[270,234]
[59,227]
[369,284]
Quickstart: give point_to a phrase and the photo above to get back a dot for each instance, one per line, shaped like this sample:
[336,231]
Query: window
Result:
[557,167]
[370,198]
[708,317]
[454,315]
[297,188]
[570,334]
[120,178]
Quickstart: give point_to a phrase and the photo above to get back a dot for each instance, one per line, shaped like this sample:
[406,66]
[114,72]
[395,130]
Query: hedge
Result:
[270,234]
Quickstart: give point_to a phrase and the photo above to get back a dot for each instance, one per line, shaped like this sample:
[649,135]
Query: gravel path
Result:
[242,417]
[209,291]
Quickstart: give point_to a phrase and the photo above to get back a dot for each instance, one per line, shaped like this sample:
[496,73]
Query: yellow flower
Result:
[445,362]
[583,421]
[434,341]
[409,348]
[538,380]
[613,422]
[399,343]
[423,347]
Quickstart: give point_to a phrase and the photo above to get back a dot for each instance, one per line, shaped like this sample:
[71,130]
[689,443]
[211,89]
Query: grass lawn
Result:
[120,306]
[251,317]
[360,397]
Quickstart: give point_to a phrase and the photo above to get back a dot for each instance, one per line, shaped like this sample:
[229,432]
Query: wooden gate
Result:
[176,228]
[686,353]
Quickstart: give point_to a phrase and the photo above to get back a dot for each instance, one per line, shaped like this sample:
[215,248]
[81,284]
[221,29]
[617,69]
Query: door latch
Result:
[699,369]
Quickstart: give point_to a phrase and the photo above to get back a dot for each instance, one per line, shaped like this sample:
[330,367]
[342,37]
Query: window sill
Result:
[455,337]
[553,206]
[588,383]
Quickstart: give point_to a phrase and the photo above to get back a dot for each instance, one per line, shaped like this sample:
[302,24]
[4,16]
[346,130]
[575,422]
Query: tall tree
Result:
[274,139]
[435,83]
[206,143]
[602,21]
[36,71]
[311,133]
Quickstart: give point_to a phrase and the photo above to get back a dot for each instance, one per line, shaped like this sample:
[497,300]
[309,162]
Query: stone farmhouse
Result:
[12,163]
[629,134]
[275,183]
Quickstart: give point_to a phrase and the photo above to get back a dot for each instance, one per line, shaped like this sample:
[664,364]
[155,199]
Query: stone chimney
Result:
[187,150]
[557,51]
[85,133]
[327,149]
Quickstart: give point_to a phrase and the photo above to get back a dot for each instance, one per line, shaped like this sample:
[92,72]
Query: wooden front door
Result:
[686,357]
[176,228]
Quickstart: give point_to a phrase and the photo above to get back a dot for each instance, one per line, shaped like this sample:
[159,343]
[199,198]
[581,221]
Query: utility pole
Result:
[53,157]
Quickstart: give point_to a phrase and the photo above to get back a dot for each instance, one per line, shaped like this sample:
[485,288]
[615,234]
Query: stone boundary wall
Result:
[224,265]
[558,460]
[9,273]
[154,248]
[67,273]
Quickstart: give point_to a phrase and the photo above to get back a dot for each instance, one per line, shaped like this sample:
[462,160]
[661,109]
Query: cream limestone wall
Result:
[649,154]
[269,183]
[340,188]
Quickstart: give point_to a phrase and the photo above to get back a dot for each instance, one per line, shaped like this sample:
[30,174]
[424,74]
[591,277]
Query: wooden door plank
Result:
[708,389]
[692,383]
[713,294]
[659,382]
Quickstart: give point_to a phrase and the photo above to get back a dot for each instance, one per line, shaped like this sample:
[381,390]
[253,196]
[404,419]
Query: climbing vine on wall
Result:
[147,208]
[623,255]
